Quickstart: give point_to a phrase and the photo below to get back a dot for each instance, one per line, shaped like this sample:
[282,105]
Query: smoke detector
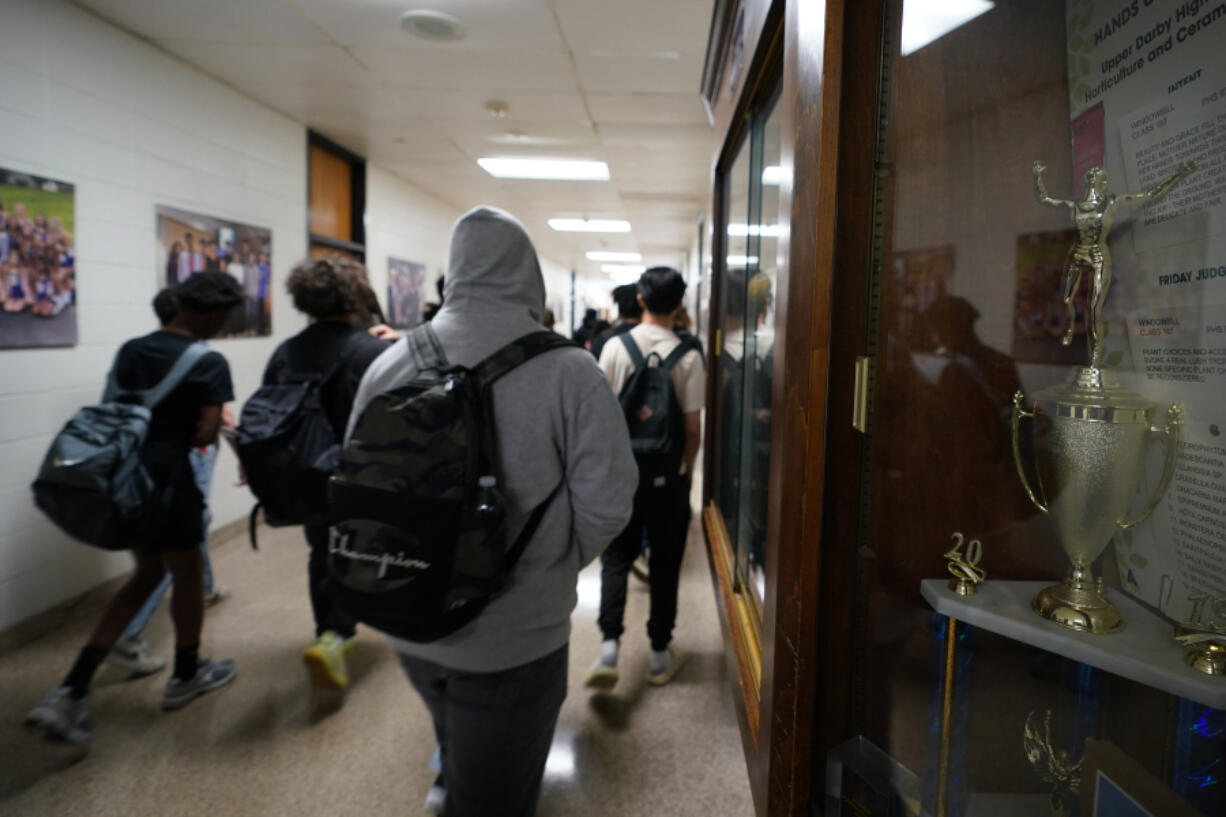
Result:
[432,25]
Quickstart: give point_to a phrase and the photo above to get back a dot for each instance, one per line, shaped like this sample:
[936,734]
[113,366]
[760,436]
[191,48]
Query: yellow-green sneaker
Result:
[325,659]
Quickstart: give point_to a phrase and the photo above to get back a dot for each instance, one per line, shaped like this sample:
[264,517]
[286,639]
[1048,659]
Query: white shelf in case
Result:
[1144,651]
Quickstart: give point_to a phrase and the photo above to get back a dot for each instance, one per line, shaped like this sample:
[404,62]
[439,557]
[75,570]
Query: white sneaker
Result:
[209,676]
[219,594]
[436,798]
[135,658]
[603,674]
[664,665]
[63,716]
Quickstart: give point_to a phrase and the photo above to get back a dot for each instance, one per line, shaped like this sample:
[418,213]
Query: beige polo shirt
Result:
[689,375]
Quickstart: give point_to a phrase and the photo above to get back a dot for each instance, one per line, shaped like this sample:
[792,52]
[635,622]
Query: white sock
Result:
[660,661]
[608,652]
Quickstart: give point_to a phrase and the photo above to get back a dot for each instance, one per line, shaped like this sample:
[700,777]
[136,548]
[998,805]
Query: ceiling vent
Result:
[432,25]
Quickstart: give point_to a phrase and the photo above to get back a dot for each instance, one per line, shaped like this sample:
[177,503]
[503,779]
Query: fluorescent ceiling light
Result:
[595,225]
[743,230]
[924,21]
[569,170]
[624,269]
[605,255]
[742,260]
[772,175]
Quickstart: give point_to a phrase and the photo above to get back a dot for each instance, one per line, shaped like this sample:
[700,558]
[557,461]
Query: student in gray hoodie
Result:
[494,687]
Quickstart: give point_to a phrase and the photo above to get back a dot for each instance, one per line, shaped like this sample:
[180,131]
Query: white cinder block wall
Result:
[131,128]
[404,222]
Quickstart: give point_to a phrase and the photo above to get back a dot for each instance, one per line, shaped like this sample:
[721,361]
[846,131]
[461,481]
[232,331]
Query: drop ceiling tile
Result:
[468,104]
[636,137]
[243,65]
[440,67]
[216,21]
[368,103]
[635,26]
[647,108]
[628,73]
[413,147]
[516,24]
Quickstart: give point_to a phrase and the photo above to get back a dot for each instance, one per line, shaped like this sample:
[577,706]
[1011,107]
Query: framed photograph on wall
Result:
[406,293]
[37,262]
[188,243]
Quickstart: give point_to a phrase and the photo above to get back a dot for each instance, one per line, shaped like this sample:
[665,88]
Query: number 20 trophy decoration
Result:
[1090,433]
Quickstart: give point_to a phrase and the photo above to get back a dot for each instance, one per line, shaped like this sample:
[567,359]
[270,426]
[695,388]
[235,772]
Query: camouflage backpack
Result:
[418,544]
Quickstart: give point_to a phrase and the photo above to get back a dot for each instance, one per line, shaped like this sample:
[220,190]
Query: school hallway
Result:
[272,744]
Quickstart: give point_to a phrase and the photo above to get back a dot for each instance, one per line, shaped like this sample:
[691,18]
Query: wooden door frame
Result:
[777,723]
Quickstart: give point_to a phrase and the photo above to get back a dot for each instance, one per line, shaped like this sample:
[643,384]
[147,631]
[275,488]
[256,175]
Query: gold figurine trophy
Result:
[1090,433]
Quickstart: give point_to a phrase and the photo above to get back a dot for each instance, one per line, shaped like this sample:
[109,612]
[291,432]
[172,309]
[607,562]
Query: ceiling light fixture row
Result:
[593,225]
[619,257]
[566,170]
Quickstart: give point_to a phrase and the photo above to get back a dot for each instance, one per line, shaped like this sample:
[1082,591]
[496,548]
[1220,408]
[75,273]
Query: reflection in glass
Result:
[731,385]
[761,277]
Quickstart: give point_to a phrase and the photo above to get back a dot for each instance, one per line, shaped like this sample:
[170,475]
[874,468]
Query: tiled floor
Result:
[272,745]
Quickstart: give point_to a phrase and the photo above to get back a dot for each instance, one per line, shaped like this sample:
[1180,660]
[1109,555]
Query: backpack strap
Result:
[518,351]
[683,348]
[186,362]
[426,349]
[632,348]
[342,360]
[534,521]
[149,398]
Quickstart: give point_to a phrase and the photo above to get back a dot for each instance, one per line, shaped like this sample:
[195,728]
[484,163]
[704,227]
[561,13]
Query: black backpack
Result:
[288,447]
[92,483]
[653,414]
[419,542]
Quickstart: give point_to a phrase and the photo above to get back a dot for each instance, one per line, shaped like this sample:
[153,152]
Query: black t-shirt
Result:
[316,349]
[143,362]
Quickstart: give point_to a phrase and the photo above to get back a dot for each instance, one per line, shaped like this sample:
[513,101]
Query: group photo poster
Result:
[188,243]
[37,219]
[406,293]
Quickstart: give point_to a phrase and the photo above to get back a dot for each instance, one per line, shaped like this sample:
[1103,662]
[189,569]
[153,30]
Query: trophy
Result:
[1090,433]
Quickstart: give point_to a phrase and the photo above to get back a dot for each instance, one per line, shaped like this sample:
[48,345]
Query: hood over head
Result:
[493,267]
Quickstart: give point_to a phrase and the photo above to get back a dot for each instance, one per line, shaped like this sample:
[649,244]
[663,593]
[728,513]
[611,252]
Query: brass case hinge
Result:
[859,408]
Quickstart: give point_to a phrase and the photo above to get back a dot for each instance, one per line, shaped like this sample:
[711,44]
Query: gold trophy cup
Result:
[1090,433]
[1090,440]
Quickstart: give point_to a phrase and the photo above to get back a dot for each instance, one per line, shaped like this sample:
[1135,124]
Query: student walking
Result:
[168,536]
[131,653]
[664,419]
[629,315]
[335,351]
[495,685]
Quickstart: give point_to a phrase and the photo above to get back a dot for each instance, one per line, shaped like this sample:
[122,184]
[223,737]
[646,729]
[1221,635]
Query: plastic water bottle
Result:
[489,500]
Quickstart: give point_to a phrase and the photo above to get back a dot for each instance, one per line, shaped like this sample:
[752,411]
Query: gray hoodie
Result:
[558,423]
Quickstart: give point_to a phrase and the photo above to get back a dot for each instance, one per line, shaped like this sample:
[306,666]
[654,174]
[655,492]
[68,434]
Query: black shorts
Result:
[174,519]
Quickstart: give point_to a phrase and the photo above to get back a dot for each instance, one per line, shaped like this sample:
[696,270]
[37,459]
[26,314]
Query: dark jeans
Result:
[494,729]
[327,615]
[665,515]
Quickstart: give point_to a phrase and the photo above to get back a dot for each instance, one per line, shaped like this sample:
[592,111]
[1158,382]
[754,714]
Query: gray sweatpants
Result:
[495,730]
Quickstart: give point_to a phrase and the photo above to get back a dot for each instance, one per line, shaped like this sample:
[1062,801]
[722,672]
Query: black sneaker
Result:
[209,676]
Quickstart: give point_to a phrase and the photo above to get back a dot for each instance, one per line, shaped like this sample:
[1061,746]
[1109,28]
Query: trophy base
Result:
[1208,658]
[1078,608]
[963,587]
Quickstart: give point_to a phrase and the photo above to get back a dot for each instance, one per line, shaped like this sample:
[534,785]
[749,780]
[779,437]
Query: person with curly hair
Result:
[334,293]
